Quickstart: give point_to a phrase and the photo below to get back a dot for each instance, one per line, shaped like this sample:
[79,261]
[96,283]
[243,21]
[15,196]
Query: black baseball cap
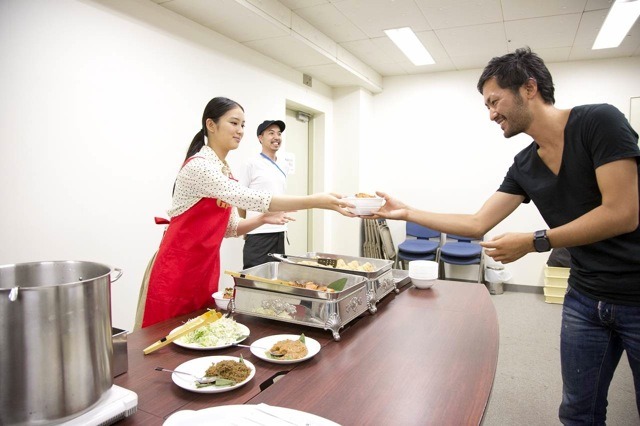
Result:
[268,123]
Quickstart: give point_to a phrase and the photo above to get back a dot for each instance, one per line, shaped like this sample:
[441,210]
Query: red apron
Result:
[187,268]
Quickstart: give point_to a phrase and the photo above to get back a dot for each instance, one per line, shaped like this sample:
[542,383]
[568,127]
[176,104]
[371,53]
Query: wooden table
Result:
[426,357]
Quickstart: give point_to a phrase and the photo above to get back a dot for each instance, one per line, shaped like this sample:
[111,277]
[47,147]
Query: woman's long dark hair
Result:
[216,108]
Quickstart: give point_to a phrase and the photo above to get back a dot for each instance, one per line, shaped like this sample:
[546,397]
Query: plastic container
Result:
[555,276]
[556,272]
[554,299]
[554,291]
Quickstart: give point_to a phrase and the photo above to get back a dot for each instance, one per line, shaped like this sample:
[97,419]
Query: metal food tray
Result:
[401,277]
[380,281]
[329,311]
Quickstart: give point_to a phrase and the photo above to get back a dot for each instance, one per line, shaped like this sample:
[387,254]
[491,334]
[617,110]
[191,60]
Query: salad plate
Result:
[210,336]
[199,366]
[261,346]
[260,414]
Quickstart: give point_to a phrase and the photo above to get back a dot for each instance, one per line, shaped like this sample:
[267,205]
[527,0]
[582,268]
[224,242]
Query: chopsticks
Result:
[199,321]
[255,278]
[337,285]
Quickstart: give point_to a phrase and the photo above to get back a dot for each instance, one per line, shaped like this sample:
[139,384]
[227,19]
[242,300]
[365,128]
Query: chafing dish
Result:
[401,277]
[380,281]
[326,310]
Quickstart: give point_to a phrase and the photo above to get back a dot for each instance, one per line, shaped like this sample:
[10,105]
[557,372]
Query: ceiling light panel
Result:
[408,43]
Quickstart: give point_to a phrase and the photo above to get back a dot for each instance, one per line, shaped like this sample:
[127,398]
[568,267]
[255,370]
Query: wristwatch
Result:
[541,241]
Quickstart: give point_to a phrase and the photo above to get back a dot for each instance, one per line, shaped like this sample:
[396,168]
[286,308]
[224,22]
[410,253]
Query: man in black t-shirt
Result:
[581,171]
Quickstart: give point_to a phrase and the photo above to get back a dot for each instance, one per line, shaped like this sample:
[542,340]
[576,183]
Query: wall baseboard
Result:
[522,288]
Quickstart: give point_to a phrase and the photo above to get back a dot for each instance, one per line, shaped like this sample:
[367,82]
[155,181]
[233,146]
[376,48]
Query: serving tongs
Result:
[325,261]
[256,278]
[337,285]
[206,318]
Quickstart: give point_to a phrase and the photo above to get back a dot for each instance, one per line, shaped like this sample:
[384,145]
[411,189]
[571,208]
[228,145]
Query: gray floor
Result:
[528,387]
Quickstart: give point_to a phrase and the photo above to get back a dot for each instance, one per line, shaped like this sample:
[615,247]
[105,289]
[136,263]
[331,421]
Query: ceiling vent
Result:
[306,80]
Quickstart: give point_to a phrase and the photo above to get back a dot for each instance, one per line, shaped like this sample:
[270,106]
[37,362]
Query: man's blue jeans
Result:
[593,337]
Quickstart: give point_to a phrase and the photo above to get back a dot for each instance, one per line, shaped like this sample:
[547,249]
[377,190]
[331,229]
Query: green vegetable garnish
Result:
[218,383]
[338,285]
[302,338]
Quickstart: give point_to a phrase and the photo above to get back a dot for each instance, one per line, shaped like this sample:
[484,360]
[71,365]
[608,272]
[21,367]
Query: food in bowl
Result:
[364,195]
[227,293]
[221,301]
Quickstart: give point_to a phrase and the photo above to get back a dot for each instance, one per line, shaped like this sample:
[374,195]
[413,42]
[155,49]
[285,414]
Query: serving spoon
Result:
[273,354]
[201,380]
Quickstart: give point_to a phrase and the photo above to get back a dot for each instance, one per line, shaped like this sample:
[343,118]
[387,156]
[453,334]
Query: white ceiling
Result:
[341,42]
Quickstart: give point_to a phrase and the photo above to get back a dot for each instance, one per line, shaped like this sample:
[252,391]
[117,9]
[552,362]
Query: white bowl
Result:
[427,269]
[423,283]
[364,206]
[221,302]
[423,273]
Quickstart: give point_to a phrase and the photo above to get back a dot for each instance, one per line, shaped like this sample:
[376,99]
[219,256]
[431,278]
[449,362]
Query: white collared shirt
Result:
[260,173]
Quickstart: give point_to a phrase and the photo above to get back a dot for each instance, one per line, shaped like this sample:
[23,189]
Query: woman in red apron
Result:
[186,269]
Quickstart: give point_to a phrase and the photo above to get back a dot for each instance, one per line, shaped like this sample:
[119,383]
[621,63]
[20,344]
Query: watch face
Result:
[541,244]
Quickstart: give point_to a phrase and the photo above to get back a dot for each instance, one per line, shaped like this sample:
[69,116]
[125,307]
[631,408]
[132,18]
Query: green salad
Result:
[224,331]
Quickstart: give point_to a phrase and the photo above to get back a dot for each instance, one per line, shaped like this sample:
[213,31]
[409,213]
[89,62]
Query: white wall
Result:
[352,111]
[99,103]
[434,147]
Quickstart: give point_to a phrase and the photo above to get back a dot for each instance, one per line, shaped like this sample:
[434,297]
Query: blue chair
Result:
[422,243]
[459,250]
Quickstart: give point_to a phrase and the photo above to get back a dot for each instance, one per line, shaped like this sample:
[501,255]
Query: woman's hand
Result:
[332,201]
[277,218]
[392,209]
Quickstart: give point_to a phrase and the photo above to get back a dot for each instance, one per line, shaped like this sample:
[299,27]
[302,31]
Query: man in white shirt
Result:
[266,172]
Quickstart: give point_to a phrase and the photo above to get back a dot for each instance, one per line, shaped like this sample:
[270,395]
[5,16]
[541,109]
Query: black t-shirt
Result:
[607,270]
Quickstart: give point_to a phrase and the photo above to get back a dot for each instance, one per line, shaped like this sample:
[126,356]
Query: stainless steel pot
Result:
[55,335]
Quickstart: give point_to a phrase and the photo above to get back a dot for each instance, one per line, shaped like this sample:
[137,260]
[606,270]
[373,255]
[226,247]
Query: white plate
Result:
[313,347]
[198,366]
[261,414]
[179,342]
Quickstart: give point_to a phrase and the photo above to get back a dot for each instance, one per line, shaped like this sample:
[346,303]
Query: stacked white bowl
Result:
[423,273]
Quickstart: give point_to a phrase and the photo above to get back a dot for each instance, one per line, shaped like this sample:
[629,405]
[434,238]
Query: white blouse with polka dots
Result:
[204,177]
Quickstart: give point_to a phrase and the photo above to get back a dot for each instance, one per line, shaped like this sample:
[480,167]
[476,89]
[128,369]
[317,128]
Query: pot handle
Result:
[117,276]
[13,294]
